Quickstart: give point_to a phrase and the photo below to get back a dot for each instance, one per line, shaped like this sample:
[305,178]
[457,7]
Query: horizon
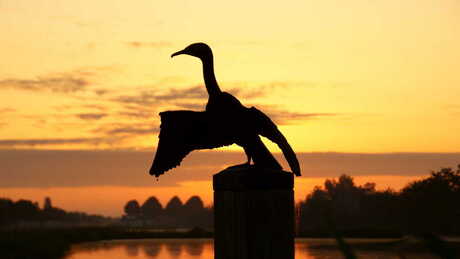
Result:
[106,192]
[367,89]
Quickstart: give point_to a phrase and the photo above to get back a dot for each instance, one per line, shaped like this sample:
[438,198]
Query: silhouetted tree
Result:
[175,214]
[368,188]
[427,205]
[132,208]
[433,203]
[194,204]
[57,214]
[47,204]
[151,208]
[194,213]
[26,210]
[6,211]
[341,205]
[174,206]
[314,212]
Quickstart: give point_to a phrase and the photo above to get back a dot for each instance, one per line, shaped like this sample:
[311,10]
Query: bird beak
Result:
[178,53]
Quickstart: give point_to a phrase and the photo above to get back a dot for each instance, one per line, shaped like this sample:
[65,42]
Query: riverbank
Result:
[56,243]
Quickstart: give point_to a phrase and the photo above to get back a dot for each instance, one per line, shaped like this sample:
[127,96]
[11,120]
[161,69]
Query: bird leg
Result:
[248,157]
[243,165]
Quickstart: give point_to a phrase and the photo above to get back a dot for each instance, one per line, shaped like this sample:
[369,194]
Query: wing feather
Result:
[267,128]
[182,132]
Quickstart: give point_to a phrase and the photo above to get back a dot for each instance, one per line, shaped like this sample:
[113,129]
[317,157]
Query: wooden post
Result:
[253,214]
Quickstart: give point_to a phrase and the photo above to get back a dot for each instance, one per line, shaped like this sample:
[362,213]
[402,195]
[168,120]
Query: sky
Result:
[374,84]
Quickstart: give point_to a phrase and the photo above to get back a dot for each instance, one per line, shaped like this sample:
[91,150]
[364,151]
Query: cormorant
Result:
[224,122]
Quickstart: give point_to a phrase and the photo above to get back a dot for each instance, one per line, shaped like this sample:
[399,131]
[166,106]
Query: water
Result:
[203,249]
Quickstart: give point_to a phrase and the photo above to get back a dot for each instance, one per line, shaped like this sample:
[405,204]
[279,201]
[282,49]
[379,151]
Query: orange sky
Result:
[103,181]
[110,200]
[344,76]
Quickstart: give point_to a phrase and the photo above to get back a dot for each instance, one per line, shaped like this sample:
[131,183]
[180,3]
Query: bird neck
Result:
[209,78]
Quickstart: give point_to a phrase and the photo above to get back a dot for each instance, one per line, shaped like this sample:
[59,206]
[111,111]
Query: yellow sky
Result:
[345,76]
[386,72]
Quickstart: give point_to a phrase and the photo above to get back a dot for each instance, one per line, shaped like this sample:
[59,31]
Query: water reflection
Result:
[306,250]
[327,249]
[152,250]
[132,249]
[203,249]
[144,248]
[194,248]
[174,248]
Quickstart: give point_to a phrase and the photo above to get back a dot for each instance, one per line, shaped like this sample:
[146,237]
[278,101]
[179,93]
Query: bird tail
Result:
[269,130]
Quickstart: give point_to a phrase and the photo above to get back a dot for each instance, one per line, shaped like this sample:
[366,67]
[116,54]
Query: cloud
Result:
[284,117]
[130,130]
[144,107]
[137,129]
[145,98]
[191,106]
[62,83]
[148,44]
[66,82]
[95,106]
[245,91]
[195,98]
[6,110]
[287,118]
[193,93]
[137,113]
[248,94]
[90,106]
[191,96]
[58,168]
[57,141]
[101,92]
[91,116]
[145,104]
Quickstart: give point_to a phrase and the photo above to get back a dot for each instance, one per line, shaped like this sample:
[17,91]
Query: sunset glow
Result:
[337,76]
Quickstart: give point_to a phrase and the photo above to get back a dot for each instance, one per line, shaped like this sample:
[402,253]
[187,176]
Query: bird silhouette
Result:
[225,121]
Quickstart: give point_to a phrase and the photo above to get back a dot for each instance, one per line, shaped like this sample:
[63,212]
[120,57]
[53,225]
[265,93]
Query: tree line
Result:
[430,205]
[175,214]
[427,205]
[27,211]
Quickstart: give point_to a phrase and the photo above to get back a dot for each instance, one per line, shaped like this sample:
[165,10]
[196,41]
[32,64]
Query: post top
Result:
[252,178]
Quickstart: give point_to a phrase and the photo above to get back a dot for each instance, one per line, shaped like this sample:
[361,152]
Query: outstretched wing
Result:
[267,128]
[182,132]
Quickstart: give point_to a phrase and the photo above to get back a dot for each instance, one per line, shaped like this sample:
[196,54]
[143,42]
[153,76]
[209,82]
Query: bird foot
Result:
[244,165]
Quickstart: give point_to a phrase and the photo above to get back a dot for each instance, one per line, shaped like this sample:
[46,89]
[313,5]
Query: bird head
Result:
[199,50]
